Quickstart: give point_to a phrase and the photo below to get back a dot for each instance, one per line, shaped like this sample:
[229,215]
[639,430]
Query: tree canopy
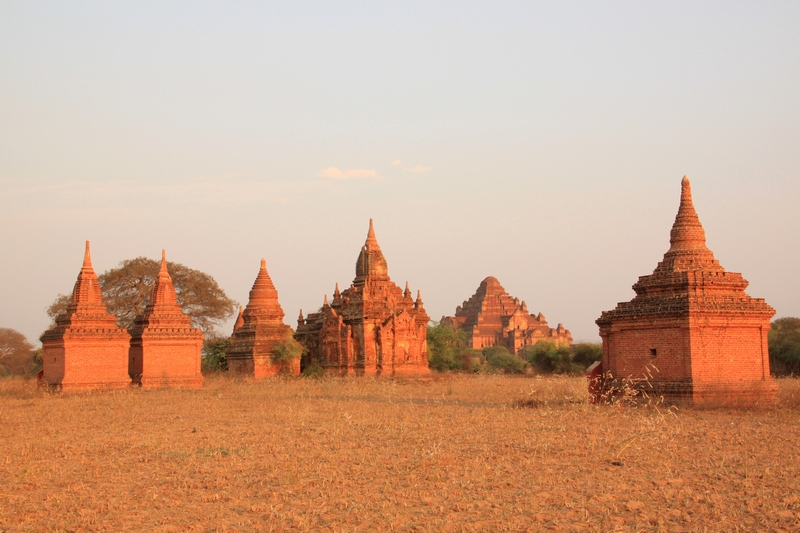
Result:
[16,353]
[784,346]
[127,288]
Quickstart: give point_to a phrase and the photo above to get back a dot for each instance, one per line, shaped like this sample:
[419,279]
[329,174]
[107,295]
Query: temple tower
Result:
[491,317]
[85,349]
[261,329]
[691,325]
[165,349]
[373,327]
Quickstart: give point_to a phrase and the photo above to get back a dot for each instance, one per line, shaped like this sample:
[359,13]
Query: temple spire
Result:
[372,241]
[164,290]
[87,257]
[407,292]
[687,232]
[418,303]
[87,288]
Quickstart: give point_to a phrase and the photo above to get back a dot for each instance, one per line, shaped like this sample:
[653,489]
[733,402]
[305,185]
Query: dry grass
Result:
[453,454]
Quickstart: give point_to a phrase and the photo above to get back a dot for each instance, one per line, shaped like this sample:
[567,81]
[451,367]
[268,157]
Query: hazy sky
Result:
[539,143]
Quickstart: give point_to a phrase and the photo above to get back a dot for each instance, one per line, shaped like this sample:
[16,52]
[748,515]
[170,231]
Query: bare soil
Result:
[456,453]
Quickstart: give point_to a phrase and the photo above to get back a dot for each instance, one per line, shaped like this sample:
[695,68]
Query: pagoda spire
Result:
[87,288]
[372,241]
[164,290]
[418,303]
[407,292]
[687,233]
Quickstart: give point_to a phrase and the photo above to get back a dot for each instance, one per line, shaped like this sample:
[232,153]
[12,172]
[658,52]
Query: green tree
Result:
[127,289]
[501,360]
[214,358]
[287,353]
[447,348]
[16,353]
[586,353]
[784,346]
[548,358]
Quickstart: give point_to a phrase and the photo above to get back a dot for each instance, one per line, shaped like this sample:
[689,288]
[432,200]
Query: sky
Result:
[540,143]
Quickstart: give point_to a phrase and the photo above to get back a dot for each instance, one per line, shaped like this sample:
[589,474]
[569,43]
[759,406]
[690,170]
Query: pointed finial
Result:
[325,302]
[87,256]
[263,264]
[418,303]
[300,318]
[336,291]
[407,291]
[687,232]
[371,239]
[163,260]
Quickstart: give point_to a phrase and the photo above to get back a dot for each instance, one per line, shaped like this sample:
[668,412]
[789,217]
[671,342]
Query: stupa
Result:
[260,330]
[85,349]
[165,349]
[691,326]
[492,317]
[373,327]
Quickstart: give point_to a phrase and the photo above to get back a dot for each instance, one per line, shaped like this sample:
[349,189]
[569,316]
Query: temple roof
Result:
[87,288]
[263,295]
[371,264]
[164,290]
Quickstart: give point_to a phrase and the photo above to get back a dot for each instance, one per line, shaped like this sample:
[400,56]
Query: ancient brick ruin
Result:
[491,317]
[85,349]
[373,327]
[165,350]
[260,330]
[691,326]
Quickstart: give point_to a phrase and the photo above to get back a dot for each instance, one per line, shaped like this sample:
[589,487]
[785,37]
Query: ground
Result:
[456,453]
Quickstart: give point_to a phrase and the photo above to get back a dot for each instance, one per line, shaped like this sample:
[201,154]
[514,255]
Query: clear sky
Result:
[541,143]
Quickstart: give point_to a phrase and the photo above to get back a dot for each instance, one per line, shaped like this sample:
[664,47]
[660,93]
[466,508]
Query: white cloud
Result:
[395,162]
[355,173]
[419,169]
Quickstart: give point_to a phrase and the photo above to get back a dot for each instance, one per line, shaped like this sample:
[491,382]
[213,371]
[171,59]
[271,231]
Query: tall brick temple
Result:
[165,349]
[693,322]
[85,349]
[257,331]
[372,327]
[492,317]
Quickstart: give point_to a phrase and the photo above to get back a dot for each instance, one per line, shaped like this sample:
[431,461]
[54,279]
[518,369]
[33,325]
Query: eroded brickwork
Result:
[85,349]
[165,349]
[691,325]
[257,330]
[372,327]
[491,317]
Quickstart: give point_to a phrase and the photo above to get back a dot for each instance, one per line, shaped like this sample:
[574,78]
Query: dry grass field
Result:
[455,453]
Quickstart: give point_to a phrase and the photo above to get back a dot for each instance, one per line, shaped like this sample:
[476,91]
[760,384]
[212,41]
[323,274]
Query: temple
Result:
[165,350]
[85,349]
[257,331]
[491,317]
[691,327]
[373,327]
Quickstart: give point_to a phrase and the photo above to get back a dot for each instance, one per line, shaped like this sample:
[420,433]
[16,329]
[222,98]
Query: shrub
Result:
[500,360]
[214,358]
[447,348]
[313,370]
[548,358]
[784,346]
[287,353]
[586,353]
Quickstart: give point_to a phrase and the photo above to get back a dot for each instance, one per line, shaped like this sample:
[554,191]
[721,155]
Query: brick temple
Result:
[491,317]
[691,325]
[85,349]
[258,329]
[373,327]
[165,349]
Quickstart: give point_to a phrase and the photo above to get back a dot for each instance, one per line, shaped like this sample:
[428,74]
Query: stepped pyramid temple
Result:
[258,330]
[373,327]
[692,321]
[165,349]
[85,349]
[491,317]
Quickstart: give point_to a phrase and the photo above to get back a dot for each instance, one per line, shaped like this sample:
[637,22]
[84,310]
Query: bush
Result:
[499,359]
[548,358]
[784,346]
[214,358]
[586,353]
[287,353]
[447,348]
[314,370]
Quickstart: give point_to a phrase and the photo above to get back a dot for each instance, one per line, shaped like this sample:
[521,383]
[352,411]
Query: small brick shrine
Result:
[373,327]
[692,321]
[165,349]
[85,349]
[257,330]
[491,317]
